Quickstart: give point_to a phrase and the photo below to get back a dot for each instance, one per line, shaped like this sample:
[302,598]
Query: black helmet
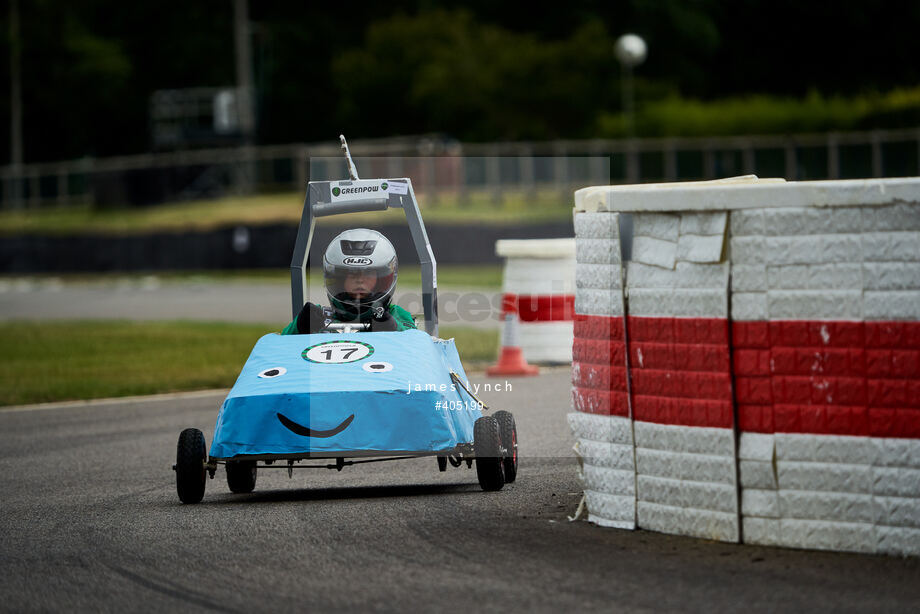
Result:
[359,271]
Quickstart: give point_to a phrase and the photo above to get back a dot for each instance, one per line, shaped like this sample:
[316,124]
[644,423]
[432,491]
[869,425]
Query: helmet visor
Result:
[360,286]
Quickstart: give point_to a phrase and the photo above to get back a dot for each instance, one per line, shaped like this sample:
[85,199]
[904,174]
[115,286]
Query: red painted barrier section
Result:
[540,308]
[681,371]
[599,366]
[828,378]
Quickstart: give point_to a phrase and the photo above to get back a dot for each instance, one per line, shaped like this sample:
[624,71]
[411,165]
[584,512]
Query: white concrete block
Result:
[749,306]
[837,507]
[757,474]
[891,246]
[603,225]
[826,535]
[833,477]
[687,494]
[640,275]
[599,276]
[749,278]
[756,446]
[902,216]
[892,305]
[684,275]
[761,503]
[700,248]
[678,466]
[814,277]
[662,226]
[707,524]
[708,223]
[747,222]
[895,482]
[761,531]
[814,249]
[896,452]
[891,275]
[607,455]
[898,511]
[691,303]
[789,221]
[611,510]
[686,439]
[903,541]
[748,250]
[598,251]
[815,304]
[654,251]
[825,448]
[596,427]
[610,481]
[790,276]
[748,193]
[598,302]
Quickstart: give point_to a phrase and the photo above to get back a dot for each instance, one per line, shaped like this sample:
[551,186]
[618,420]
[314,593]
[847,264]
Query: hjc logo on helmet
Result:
[358,261]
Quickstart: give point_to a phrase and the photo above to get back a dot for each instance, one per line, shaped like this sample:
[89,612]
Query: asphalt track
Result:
[149,298]
[91,522]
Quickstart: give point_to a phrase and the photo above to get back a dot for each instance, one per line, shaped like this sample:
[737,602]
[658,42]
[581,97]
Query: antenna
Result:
[352,171]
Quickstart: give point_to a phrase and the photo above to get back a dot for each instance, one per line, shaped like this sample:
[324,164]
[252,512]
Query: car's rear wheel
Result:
[487,444]
[508,433]
[191,472]
[241,476]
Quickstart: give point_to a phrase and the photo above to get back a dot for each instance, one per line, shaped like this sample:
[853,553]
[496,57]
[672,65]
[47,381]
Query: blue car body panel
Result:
[400,394]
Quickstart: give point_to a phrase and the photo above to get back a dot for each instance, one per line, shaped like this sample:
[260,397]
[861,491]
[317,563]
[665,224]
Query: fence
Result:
[439,166]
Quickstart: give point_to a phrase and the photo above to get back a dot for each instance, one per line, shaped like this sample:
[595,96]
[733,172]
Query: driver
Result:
[359,272]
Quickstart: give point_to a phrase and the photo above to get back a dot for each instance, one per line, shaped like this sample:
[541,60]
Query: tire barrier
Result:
[753,372]
[538,287]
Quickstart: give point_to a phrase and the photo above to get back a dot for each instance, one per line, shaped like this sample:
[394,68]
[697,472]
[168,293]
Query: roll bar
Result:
[325,198]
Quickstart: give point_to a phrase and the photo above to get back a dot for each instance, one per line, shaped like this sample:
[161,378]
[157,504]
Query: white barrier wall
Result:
[788,312]
[679,366]
[539,286]
[601,423]
[826,309]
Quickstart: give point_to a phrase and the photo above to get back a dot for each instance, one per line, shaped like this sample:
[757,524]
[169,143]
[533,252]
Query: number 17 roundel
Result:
[337,352]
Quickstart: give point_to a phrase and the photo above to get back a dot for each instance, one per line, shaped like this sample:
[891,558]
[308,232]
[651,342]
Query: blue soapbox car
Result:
[347,396]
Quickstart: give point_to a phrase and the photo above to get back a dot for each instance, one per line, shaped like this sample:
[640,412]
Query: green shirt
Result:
[403,319]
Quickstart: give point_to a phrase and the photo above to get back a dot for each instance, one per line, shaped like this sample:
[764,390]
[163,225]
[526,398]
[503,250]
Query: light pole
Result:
[630,51]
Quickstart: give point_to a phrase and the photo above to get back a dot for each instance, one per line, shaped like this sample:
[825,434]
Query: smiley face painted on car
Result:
[338,393]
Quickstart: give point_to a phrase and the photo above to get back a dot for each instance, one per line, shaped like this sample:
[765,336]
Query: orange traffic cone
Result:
[511,357]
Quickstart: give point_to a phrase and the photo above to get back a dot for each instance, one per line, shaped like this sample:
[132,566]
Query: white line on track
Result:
[170,396]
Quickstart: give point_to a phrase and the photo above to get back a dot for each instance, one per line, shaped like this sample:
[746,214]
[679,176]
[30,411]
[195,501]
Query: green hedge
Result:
[675,116]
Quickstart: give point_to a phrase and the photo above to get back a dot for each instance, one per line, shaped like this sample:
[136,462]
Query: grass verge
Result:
[44,362]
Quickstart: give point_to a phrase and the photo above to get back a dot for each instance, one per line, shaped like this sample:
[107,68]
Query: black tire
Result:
[442,463]
[487,444]
[508,433]
[241,476]
[191,473]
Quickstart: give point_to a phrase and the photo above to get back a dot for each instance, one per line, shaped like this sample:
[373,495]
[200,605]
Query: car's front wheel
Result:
[191,472]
